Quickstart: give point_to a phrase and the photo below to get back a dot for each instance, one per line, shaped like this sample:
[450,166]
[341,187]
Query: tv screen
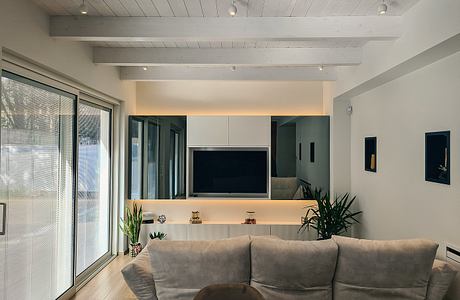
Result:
[230,172]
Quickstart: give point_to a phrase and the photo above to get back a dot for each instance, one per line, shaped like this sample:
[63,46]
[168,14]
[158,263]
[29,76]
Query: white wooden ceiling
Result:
[236,44]
[218,8]
[346,24]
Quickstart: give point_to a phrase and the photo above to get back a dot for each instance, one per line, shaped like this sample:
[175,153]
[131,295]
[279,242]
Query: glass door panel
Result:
[152,160]
[37,186]
[93,228]
[136,134]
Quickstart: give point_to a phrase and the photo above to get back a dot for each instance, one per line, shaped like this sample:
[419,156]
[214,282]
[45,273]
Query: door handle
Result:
[3,215]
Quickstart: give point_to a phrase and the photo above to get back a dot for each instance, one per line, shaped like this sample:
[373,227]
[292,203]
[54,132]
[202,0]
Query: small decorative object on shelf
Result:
[161,219]
[158,235]
[195,219]
[250,217]
[147,217]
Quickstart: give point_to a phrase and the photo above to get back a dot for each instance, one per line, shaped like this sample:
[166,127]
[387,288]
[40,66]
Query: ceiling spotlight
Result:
[382,9]
[233,68]
[232,10]
[320,67]
[144,68]
[83,8]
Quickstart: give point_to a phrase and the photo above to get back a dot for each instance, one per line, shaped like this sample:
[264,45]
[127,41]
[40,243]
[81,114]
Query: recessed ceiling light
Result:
[382,9]
[232,10]
[83,8]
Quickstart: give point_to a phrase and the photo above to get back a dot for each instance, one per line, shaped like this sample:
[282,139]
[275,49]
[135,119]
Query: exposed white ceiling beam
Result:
[224,29]
[227,56]
[243,73]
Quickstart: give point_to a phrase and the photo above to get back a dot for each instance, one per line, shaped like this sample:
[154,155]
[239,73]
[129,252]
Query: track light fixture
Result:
[320,67]
[383,8]
[145,68]
[232,10]
[233,68]
[83,8]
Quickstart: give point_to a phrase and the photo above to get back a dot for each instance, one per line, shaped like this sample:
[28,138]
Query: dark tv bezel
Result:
[228,195]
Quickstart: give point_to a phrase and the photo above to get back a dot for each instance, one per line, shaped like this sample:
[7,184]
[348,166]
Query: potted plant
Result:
[157,235]
[131,227]
[330,217]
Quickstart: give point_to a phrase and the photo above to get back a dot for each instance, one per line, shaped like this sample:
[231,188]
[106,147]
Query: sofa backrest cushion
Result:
[393,270]
[442,275]
[181,268]
[293,269]
[138,276]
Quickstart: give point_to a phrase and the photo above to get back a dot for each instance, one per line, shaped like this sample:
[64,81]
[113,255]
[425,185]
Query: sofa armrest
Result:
[138,276]
[442,275]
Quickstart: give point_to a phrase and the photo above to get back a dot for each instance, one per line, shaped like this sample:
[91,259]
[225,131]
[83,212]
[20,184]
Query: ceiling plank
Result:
[209,8]
[163,7]
[255,8]
[275,28]
[225,56]
[148,9]
[193,8]
[226,73]
[178,8]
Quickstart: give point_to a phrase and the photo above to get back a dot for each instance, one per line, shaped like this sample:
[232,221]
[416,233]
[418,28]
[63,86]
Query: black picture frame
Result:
[437,157]
[370,154]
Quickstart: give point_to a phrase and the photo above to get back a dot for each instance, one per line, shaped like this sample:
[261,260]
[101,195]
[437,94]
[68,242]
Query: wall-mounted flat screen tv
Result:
[229,172]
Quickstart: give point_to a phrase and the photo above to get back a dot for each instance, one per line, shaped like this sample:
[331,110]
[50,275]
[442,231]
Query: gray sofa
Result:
[340,268]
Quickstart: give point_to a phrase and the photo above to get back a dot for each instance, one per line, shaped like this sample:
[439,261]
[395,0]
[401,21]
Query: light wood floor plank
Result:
[108,284]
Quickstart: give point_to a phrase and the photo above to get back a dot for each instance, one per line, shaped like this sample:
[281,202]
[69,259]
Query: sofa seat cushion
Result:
[368,270]
[181,268]
[293,270]
[442,275]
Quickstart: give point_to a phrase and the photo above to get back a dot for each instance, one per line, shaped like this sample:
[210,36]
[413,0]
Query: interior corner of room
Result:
[217,131]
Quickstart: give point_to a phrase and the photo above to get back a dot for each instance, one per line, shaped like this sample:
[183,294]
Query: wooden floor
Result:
[108,284]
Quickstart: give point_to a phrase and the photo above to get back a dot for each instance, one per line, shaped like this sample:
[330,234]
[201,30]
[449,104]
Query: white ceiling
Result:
[218,8]
[110,33]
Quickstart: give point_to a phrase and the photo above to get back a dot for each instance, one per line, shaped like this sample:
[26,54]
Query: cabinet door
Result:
[248,229]
[200,232]
[249,130]
[291,232]
[207,131]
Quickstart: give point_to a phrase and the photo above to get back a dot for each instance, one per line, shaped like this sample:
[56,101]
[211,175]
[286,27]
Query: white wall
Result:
[230,98]
[340,148]
[24,29]
[397,201]
[425,25]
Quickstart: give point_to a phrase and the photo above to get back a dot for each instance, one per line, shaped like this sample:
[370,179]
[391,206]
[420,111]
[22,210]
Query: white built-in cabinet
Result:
[249,131]
[208,131]
[194,232]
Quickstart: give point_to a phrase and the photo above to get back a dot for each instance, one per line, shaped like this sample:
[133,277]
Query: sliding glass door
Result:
[36,188]
[55,187]
[94,186]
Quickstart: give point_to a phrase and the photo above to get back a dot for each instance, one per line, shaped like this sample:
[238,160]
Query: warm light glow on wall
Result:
[228,211]
[230,98]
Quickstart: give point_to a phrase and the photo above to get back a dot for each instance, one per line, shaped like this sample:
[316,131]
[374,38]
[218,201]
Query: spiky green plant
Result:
[330,217]
[131,226]
[158,235]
